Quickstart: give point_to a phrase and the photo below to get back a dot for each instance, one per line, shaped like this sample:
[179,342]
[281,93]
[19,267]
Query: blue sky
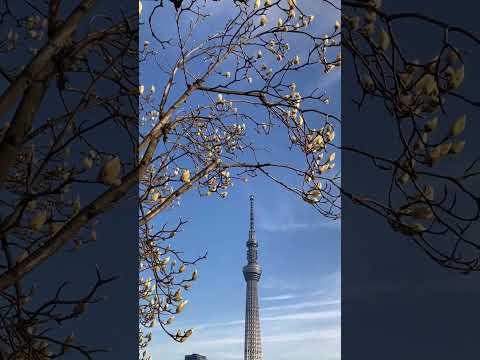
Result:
[299,289]
[298,250]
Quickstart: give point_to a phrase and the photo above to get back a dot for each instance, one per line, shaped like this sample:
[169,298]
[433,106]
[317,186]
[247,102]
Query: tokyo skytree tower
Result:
[252,272]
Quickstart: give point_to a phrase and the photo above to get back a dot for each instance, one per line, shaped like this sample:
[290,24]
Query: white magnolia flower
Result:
[458,126]
[38,220]
[263,20]
[77,204]
[181,306]
[452,57]
[186,176]
[384,41]
[313,196]
[299,120]
[326,40]
[109,174]
[371,16]
[457,147]
[457,80]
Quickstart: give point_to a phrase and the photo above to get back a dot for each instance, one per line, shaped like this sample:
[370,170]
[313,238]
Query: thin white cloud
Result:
[325,334]
[279,297]
[313,315]
[318,315]
[217,342]
[319,292]
[302,305]
[226,355]
[293,226]
[333,333]
[278,284]
[285,218]
[220,324]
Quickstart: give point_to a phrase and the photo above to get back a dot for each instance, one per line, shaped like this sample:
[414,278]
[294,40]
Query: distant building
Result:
[195,357]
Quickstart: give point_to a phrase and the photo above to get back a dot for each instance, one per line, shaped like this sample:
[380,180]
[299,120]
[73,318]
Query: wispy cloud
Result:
[278,284]
[220,324]
[318,315]
[226,355]
[309,315]
[333,333]
[302,305]
[294,226]
[319,292]
[219,341]
[285,215]
[279,297]
[324,334]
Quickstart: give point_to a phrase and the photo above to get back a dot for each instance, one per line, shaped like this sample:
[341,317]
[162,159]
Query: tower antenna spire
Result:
[252,217]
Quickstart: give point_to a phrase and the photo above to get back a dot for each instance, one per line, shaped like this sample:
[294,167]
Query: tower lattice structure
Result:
[252,272]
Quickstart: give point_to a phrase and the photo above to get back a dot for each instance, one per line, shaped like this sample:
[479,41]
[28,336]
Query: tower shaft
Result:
[253,344]
[252,272]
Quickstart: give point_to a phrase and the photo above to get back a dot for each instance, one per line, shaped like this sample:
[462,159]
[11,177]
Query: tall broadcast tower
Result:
[252,272]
